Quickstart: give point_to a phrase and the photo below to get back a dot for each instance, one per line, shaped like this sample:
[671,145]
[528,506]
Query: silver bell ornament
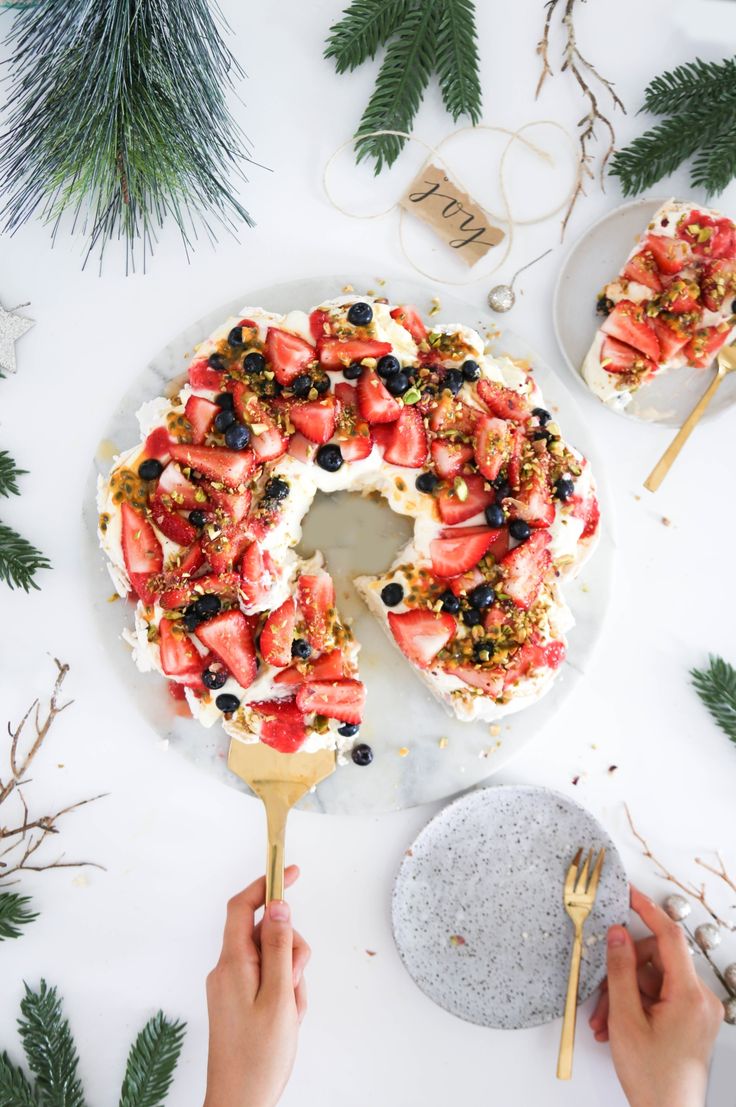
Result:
[502,296]
[729,975]
[677,907]
[729,1010]
[708,936]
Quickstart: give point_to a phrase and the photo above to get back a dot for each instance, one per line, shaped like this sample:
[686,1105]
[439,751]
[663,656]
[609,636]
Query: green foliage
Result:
[421,37]
[716,687]
[698,104]
[15,913]
[118,119]
[19,560]
[9,474]
[52,1058]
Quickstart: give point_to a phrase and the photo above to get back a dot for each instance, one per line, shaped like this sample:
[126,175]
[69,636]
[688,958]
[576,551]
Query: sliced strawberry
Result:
[203,377]
[315,419]
[533,501]
[554,654]
[337,699]
[353,431]
[642,269]
[705,344]
[617,357]
[525,567]
[178,653]
[718,283]
[381,434]
[356,447]
[708,237]
[476,497]
[278,634]
[176,491]
[495,617]
[330,666]
[158,445]
[498,547]
[493,444]
[256,574]
[200,413]
[504,402]
[670,254]
[301,448]
[223,548]
[229,637]
[513,468]
[142,551]
[420,634]
[532,656]
[408,443]
[316,594]
[449,458]
[409,318]
[172,524]
[335,353]
[267,440]
[288,354]
[232,467]
[628,323]
[680,296]
[183,592]
[283,724]
[192,560]
[466,582]
[235,504]
[448,414]
[269,444]
[490,681]
[671,335]
[452,556]
[319,324]
[375,402]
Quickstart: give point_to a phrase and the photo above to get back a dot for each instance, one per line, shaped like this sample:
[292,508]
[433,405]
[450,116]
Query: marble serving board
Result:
[403,724]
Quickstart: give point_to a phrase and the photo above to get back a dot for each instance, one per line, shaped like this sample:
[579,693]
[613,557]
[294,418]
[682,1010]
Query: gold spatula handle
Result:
[567,1040]
[277,811]
[663,466]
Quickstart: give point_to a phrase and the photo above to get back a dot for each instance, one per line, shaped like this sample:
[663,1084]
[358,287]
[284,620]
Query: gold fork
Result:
[578,897]
[726,365]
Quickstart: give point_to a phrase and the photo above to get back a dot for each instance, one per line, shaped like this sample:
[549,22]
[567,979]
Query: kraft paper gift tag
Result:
[451,213]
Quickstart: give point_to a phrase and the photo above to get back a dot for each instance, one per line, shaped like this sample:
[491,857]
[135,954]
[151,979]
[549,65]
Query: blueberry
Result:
[225,401]
[322,384]
[540,435]
[453,379]
[330,458]
[387,366]
[392,594]
[483,646]
[197,518]
[481,596]
[360,314]
[398,383]
[254,362]
[348,730]
[604,305]
[564,488]
[208,604]
[352,372]
[214,678]
[503,488]
[301,386]
[223,420]
[450,602]
[300,648]
[542,415]
[362,754]
[495,516]
[227,703]
[733,307]
[519,530]
[426,482]
[237,436]
[276,489]
[235,338]
[471,617]
[150,469]
[192,617]
[471,370]
[217,361]
[268,388]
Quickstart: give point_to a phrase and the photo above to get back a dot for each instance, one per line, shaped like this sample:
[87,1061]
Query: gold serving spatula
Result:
[279,780]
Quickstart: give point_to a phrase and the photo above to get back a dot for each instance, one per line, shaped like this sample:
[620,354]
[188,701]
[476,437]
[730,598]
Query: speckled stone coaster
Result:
[477,907]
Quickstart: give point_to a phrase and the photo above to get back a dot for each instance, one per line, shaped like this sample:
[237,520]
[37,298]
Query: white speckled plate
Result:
[591,263]
[477,907]
[359,536]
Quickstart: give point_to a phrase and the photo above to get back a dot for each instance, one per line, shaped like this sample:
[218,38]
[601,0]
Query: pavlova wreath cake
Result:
[671,305]
[200,521]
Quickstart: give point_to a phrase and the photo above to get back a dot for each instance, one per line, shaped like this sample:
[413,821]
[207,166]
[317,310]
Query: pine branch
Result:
[9,474]
[655,154]
[19,560]
[456,59]
[151,1063]
[15,1091]
[714,166]
[14,914]
[365,26]
[400,85]
[716,687]
[694,83]
[50,1049]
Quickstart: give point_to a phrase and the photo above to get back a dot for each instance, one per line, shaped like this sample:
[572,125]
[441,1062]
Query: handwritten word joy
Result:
[459,221]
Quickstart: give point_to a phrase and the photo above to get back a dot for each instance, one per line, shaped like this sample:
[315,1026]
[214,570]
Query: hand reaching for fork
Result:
[660,1018]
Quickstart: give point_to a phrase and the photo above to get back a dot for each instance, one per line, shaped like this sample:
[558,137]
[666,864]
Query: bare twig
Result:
[543,46]
[719,872]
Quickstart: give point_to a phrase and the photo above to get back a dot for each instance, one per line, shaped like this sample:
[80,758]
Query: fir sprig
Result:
[15,1091]
[716,687]
[19,560]
[422,37]
[151,1063]
[9,473]
[49,1048]
[697,102]
[118,118]
[15,913]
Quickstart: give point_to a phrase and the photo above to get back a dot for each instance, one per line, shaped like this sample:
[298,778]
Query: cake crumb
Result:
[612,768]
[113,598]
[443,743]
[404,751]
[371,952]
[457,940]
[494,730]
[576,780]
[436,307]
[666,522]
[348,288]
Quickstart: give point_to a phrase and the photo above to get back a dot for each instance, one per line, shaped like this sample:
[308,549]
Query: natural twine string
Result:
[506,218]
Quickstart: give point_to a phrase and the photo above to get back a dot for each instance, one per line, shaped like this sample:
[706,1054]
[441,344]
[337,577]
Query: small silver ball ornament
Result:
[677,907]
[729,1010]
[501,297]
[729,975]
[708,936]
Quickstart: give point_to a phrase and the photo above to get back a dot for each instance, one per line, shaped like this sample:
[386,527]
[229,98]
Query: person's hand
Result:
[256,1000]
[660,1018]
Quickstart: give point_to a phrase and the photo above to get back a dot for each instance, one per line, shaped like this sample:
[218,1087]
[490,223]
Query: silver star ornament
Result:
[12,327]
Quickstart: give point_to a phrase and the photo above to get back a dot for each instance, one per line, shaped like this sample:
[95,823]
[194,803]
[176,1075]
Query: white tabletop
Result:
[175,844]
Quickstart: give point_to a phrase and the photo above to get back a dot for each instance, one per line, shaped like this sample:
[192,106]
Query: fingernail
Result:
[278,910]
[616,937]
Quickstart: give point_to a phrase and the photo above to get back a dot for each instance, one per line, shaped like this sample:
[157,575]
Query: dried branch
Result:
[719,872]
[19,764]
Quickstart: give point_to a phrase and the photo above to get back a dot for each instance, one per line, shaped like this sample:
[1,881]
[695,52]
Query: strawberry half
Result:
[409,318]
[256,574]
[680,296]
[708,237]
[353,431]
[628,323]
[235,504]
[173,525]
[316,594]
[204,378]
[267,441]
[330,666]
[375,402]
[493,445]
[533,501]
[283,724]
[670,254]
[587,510]
[176,491]
[335,353]
[278,634]
[671,335]
[229,637]
[337,699]
[617,357]
[142,551]
[449,458]
[452,556]
[504,402]
[179,657]
[705,344]
[288,354]
[718,283]
[183,592]
[448,414]
[158,445]
[224,548]
[319,324]
[315,419]
[525,567]
[642,269]
[490,681]
[407,445]
[200,414]
[477,496]
[420,634]
[232,467]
